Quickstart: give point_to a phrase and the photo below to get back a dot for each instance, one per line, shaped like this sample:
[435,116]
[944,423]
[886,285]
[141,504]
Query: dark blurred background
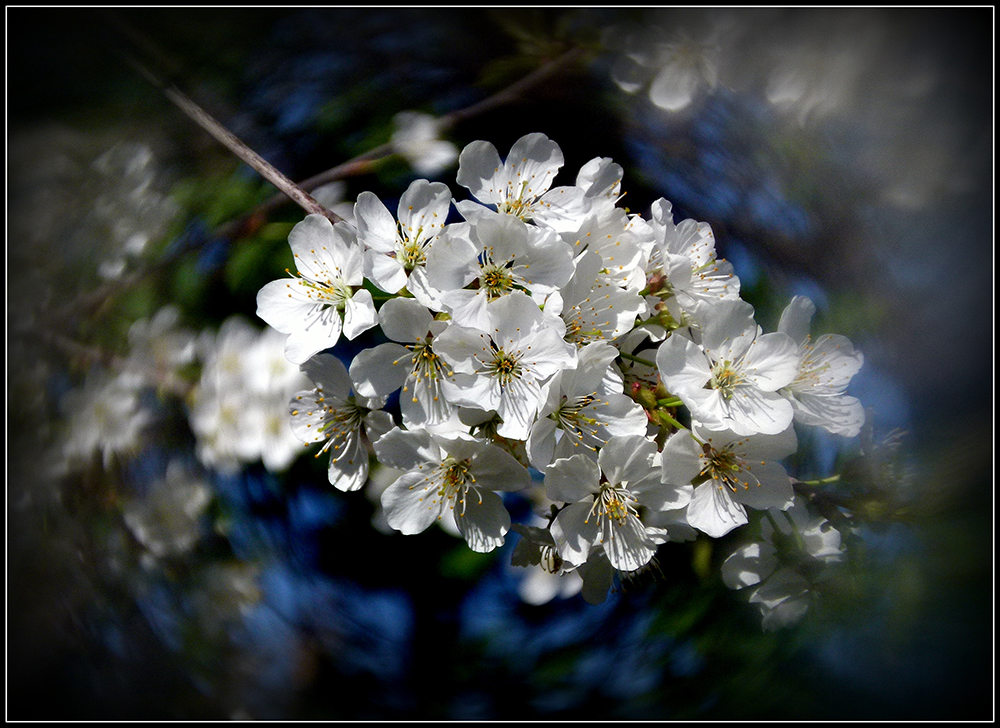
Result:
[843,154]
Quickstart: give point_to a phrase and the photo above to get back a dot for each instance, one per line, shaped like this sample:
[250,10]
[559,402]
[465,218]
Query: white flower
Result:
[105,415]
[239,410]
[504,369]
[730,380]
[825,368]
[158,348]
[396,254]
[498,254]
[605,498]
[592,306]
[331,413]
[685,255]
[623,242]
[731,471]
[584,407]
[168,519]
[520,185]
[455,473]
[412,364]
[546,578]
[315,307]
[514,186]
[417,139]
[675,67]
[789,558]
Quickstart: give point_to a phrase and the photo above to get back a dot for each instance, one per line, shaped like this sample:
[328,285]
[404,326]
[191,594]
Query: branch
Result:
[207,122]
[357,165]
[362,163]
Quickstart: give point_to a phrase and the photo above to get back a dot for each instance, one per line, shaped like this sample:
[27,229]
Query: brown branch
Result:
[250,222]
[207,122]
[363,162]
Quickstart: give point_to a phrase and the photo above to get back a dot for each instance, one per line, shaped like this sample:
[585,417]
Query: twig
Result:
[252,220]
[207,122]
[362,162]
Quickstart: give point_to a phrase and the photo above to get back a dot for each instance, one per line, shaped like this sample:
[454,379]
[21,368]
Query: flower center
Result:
[334,291]
[497,280]
[725,378]
[505,367]
[811,368]
[571,418]
[426,367]
[515,204]
[342,421]
[550,560]
[614,504]
[412,250]
[727,468]
[453,482]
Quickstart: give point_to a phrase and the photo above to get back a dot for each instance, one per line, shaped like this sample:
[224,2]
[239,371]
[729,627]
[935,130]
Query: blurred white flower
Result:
[674,65]
[105,415]
[417,138]
[826,366]
[793,554]
[167,520]
[239,410]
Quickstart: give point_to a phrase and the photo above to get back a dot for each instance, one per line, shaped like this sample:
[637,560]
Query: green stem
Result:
[637,359]
[670,420]
[820,481]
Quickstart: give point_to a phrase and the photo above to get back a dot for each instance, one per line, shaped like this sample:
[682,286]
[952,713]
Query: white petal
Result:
[381,370]
[681,459]
[771,361]
[840,414]
[404,320]
[376,227]
[627,545]
[405,450]
[770,487]
[752,411]
[796,318]
[484,521]
[322,331]
[712,511]
[749,565]
[530,167]
[575,533]
[572,479]
[494,469]
[683,366]
[284,304]
[349,469]
[377,423]
[674,87]
[409,503]
[329,372]
[478,165]
[384,271]
[359,314]
[423,208]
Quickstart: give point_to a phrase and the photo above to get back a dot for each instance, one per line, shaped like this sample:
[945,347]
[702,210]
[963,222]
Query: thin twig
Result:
[363,162]
[207,122]
[252,220]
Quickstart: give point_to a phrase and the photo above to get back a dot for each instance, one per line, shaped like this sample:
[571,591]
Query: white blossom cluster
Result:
[238,410]
[550,331]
